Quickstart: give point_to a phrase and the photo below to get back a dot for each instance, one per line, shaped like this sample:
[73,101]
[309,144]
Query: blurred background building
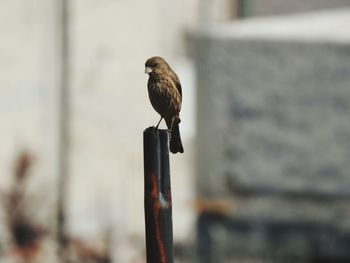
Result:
[264,123]
[275,7]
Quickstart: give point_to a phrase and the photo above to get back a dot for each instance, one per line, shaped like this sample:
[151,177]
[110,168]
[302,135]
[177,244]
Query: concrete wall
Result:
[274,139]
[110,41]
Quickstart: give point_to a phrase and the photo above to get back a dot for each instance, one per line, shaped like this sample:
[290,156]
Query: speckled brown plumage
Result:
[165,94]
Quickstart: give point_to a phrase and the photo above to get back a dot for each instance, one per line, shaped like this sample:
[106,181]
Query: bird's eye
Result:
[156,65]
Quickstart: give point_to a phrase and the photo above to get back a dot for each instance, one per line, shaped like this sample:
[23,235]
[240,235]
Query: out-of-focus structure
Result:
[248,102]
[274,139]
[280,7]
[109,43]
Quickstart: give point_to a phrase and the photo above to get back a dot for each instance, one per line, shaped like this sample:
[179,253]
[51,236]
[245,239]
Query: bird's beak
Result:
[148,70]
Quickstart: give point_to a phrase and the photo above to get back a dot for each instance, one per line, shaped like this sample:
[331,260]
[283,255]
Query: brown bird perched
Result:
[165,94]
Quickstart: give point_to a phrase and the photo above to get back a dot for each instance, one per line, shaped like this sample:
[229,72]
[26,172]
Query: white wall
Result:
[110,41]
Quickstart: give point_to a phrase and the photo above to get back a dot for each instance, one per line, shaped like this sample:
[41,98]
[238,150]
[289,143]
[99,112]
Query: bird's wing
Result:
[178,84]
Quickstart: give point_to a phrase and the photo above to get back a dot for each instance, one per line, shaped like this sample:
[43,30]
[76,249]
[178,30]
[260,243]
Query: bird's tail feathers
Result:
[175,138]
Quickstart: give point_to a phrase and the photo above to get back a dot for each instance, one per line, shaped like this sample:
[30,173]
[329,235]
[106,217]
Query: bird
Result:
[165,94]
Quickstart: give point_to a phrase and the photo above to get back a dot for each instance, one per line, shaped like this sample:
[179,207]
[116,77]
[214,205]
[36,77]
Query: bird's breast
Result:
[164,97]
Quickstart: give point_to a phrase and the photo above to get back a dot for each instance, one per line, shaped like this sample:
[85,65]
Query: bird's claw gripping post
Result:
[157,197]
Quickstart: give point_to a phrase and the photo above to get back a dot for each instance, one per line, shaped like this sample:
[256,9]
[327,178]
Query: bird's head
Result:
[155,66]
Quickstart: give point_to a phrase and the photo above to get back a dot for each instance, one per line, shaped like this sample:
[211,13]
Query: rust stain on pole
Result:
[155,210]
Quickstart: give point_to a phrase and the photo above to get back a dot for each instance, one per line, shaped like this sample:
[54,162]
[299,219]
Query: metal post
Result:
[158,205]
[242,8]
[63,119]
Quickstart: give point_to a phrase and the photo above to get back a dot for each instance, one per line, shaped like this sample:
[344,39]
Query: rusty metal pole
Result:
[158,206]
